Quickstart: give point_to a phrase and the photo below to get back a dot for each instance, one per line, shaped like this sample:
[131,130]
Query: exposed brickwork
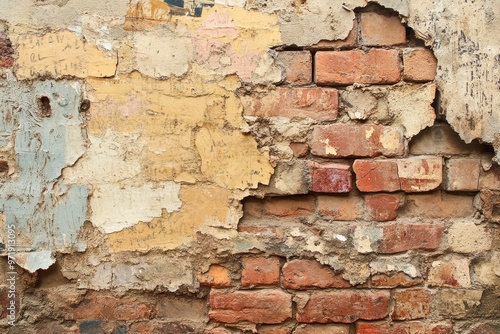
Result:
[331,178]
[416,174]
[338,68]
[376,175]
[298,66]
[344,306]
[306,274]
[111,308]
[402,237]
[260,307]
[333,141]
[419,65]
[319,188]
[260,271]
[412,304]
[217,277]
[313,102]
[382,207]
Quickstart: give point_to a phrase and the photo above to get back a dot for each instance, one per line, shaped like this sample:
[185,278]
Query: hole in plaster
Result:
[44,106]
[85,105]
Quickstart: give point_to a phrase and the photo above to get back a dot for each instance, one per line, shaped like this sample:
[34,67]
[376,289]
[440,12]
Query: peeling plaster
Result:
[47,213]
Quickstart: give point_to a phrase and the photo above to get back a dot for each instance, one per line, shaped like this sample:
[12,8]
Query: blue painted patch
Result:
[47,213]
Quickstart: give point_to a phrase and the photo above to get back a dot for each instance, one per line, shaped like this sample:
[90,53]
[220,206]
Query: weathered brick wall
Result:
[263,167]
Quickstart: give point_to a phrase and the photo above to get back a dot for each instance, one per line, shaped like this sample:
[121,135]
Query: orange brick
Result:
[300,102]
[411,304]
[378,30]
[419,65]
[298,66]
[339,207]
[267,306]
[462,174]
[354,140]
[305,274]
[377,66]
[260,271]
[217,277]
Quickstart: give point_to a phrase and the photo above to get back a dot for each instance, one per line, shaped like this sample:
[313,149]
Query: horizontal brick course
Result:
[260,307]
[415,174]
[314,102]
[306,274]
[345,306]
[377,66]
[330,177]
[354,140]
[403,237]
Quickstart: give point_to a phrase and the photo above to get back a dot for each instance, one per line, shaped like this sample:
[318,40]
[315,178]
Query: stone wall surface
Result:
[232,166]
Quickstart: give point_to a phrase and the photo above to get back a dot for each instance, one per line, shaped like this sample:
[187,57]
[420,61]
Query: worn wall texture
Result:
[260,166]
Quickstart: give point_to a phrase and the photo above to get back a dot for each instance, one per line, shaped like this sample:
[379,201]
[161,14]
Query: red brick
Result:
[315,102]
[97,306]
[376,175]
[331,178]
[462,174]
[322,329]
[304,274]
[260,307]
[450,271]
[419,65]
[299,150]
[377,66]
[354,140]
[382,207]
[345,306]
[417,174]
[216,276]
[298,66]
[342,208]
[378,29]
[412,304]
[403,328]
[288,206]
[397,280]
[403,237]
[348,42]
[443,205]
[260,271]
[6,51]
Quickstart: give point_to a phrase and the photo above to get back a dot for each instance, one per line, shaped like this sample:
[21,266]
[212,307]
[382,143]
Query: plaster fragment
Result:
[34,260]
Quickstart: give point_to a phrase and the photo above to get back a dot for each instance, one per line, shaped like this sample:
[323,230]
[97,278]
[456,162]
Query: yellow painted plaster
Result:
[59,54]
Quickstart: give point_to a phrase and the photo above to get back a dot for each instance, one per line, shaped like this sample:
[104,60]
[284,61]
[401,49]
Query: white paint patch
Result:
[115,207]
[34,260]
[341,237]
[328,148]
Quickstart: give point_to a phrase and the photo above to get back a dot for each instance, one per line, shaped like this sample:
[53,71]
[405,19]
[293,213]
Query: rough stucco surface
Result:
[137,154]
